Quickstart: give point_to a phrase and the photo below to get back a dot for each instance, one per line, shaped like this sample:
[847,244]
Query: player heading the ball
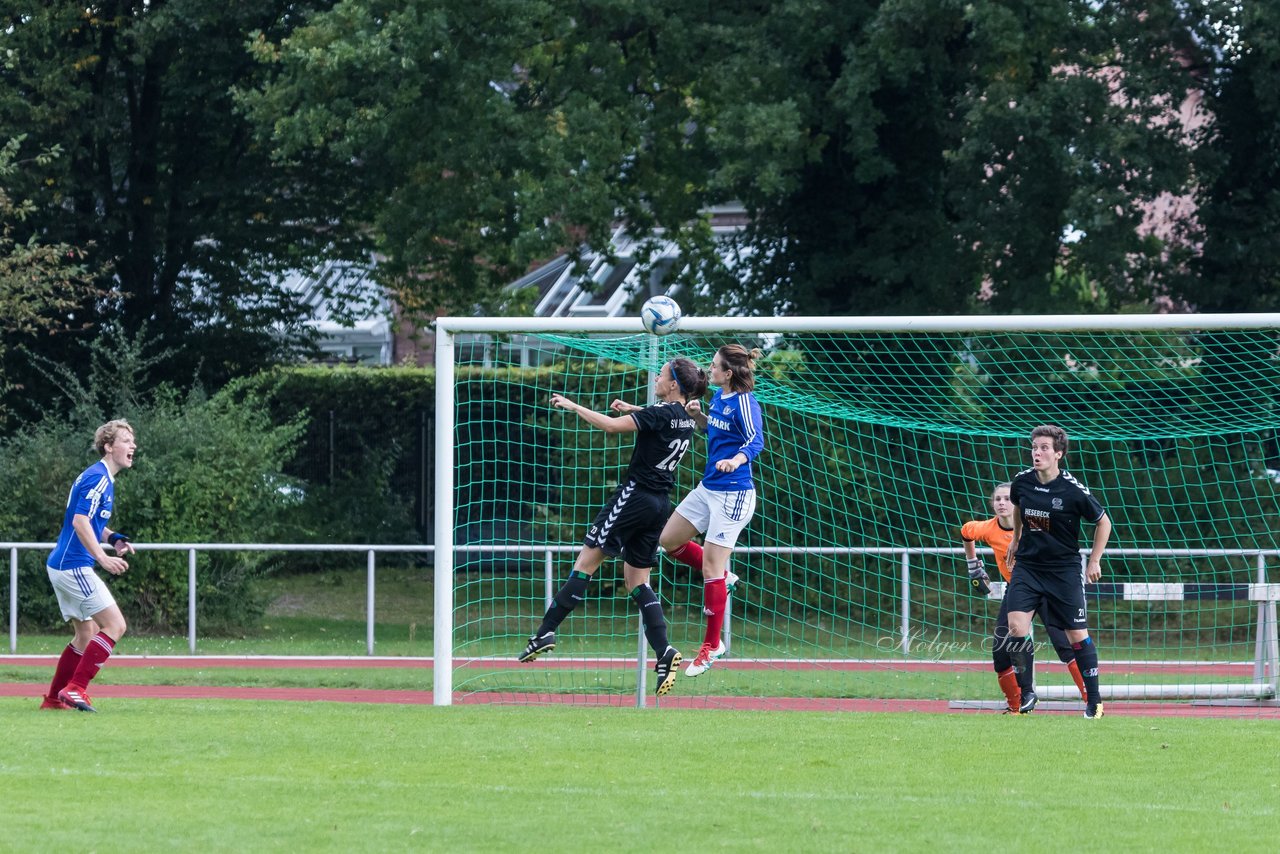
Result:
[628,524]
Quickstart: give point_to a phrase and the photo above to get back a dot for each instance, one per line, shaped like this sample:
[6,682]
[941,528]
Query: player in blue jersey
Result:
[628,524]
[722,505]
[85,601]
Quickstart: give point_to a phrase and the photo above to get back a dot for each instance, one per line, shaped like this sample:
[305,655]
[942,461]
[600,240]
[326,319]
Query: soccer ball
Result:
[660,315]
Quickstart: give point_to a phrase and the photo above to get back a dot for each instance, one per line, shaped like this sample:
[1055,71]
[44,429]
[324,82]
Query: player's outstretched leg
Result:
[543,640]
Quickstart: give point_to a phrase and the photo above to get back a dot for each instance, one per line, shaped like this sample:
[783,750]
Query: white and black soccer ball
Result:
[660,315]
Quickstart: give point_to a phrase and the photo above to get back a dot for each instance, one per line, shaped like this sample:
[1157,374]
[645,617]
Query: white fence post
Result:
[1266,648]
[13,600]
[369,608]
[191,600]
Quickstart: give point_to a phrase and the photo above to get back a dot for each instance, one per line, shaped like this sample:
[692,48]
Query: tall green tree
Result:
[900,155]
[186,217]
[972,156]
[485,135]
[1238,199]
[42,284]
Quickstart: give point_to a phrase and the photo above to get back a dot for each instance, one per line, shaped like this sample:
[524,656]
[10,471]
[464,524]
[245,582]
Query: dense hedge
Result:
[361,462]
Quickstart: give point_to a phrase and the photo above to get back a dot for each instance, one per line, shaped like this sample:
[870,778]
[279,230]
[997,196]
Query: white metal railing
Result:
[193,548]
[1266,662]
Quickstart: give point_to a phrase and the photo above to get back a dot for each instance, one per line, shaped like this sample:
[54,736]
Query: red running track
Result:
[409,697]
[1230,669]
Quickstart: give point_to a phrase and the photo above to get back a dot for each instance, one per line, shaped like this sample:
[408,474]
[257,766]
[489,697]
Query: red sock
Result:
[1075,674]
[95,655]
[690,554]
[1009,685]
[67,663]
[714,596]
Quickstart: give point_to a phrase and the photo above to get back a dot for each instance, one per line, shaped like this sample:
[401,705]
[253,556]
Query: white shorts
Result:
[719,515]
[80,591]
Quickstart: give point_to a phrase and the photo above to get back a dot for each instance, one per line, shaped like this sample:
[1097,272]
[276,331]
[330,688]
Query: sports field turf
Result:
[240,776]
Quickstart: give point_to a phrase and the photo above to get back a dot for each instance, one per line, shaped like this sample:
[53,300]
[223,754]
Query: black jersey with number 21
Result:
[665,433]
[1051,514]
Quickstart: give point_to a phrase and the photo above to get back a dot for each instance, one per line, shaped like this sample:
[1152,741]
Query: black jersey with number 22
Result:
[665,433]
[1051,514]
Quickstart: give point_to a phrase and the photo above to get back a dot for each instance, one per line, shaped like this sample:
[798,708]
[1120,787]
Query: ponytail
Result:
[742,363]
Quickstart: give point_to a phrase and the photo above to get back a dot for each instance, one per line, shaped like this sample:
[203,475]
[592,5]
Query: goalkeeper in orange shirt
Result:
[996,532]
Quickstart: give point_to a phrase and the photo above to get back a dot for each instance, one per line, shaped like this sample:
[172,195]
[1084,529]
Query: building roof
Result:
[349,310]
[610,284]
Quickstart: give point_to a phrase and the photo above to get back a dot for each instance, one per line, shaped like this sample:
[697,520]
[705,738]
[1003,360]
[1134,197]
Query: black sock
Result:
[1000,658]
[566,599]
[1023,657]
[1087,661]
[655,625]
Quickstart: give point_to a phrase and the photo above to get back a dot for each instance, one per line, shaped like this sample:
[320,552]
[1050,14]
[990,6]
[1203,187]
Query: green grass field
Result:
[222,775]
[238,776]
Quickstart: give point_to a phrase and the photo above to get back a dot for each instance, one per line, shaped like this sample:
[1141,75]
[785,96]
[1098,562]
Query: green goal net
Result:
[880,443]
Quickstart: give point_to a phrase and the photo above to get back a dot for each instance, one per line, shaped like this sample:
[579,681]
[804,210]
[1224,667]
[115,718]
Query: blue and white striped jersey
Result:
[734,424]
[91,495]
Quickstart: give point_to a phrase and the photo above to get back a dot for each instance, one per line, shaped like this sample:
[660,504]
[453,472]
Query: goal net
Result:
[883,436]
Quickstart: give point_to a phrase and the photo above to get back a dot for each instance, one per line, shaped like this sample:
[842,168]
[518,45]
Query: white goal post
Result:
[448,328]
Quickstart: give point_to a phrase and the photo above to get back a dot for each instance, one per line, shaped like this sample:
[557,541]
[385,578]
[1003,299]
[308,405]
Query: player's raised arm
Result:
[607,423]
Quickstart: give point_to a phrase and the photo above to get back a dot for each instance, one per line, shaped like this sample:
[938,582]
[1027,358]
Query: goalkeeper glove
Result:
[978,578]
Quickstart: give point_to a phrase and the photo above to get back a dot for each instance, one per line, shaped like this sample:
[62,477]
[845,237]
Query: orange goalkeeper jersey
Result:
[993,535]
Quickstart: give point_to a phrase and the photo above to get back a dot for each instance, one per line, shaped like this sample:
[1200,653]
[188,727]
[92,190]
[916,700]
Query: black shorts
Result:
[1058,597]
[628,526]
[1057,637]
